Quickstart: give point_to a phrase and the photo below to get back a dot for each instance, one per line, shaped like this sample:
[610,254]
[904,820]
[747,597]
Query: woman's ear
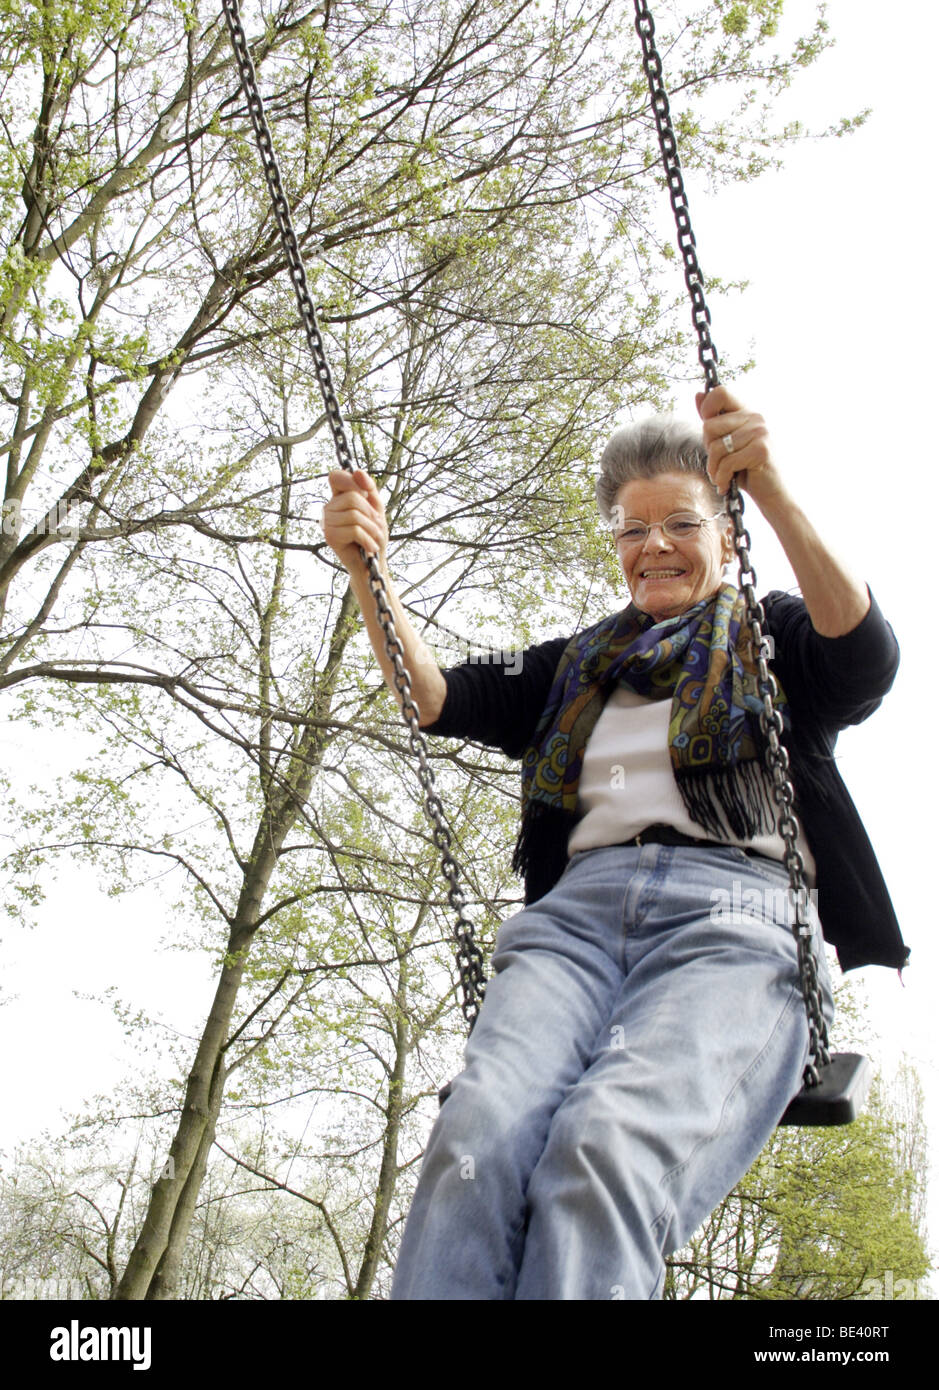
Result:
[728,549]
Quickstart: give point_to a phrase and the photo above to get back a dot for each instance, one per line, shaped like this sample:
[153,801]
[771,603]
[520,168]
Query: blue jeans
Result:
[641,1036]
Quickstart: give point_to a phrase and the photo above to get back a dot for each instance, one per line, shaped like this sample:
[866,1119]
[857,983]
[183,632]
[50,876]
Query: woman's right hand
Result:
[354,516]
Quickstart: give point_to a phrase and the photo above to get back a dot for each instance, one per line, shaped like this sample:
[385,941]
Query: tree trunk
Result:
[388,1173]
[165,1280]
[153,1266]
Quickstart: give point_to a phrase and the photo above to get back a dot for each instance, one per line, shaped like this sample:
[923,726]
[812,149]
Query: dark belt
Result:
[667,835]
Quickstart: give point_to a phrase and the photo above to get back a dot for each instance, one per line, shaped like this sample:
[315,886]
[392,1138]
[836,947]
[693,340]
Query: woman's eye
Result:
[632,533]
[684,528]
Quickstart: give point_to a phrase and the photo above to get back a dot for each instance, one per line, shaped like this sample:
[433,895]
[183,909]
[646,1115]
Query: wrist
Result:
[360,574]
[776,504]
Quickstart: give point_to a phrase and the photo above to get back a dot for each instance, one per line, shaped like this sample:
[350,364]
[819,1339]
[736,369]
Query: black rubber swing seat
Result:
[836,1100]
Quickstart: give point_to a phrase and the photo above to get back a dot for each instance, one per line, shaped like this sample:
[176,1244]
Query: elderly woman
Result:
[644,1028]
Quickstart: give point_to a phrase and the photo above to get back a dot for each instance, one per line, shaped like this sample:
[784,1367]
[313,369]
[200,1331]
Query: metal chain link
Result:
[468,956]
[777,758]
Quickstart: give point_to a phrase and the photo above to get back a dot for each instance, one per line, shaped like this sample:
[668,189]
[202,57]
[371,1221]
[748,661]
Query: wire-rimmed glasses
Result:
[679,526]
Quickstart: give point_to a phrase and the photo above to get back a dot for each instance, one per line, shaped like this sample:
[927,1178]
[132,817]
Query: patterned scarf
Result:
[703,661]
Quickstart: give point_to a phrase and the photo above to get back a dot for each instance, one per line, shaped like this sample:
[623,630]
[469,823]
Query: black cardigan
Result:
[830,682]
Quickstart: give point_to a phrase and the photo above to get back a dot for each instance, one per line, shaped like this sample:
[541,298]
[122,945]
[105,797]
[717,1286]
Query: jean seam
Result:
[765,872]
[751,1070]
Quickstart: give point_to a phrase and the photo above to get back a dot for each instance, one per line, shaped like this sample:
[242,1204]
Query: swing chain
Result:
[771,723]
[468,956]
[700,314]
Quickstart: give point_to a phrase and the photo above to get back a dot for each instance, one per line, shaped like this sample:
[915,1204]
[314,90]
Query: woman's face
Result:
[666,575]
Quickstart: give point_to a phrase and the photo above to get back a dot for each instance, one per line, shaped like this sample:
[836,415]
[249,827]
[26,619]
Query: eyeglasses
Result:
[680,526]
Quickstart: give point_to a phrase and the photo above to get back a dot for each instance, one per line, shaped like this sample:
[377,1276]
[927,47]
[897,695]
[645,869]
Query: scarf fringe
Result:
[734,801]
[542,838]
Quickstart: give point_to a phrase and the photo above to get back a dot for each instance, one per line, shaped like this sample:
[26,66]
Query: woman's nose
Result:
[656,539]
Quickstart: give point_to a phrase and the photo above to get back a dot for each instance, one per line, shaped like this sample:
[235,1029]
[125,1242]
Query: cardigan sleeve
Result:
[840,680]
[499,702]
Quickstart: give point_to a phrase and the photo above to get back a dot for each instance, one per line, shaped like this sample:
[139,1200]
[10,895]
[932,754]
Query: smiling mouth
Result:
[662,574]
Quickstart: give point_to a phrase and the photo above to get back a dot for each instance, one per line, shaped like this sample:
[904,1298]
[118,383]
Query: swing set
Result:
[834,1085]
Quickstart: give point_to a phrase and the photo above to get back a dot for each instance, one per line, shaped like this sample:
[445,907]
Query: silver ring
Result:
[729,443]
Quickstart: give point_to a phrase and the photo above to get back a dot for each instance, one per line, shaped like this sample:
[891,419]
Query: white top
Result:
[627,783]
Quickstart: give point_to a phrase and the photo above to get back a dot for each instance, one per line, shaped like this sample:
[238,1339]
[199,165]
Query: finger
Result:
[752,435]
[735,423]
[347,512]
[366,481]
[724,466]
[719,400]
[341,480]
[723,479]
[354,490]
[349,498]
[370,487]
[357,528]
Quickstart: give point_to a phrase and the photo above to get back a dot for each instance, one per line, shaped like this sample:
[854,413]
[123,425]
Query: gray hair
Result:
[663,444]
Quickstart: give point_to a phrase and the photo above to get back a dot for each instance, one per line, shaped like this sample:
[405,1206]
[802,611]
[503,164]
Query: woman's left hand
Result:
[750,457]
[836,601]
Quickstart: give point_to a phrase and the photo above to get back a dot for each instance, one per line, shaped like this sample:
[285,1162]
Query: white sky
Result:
[841,312]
